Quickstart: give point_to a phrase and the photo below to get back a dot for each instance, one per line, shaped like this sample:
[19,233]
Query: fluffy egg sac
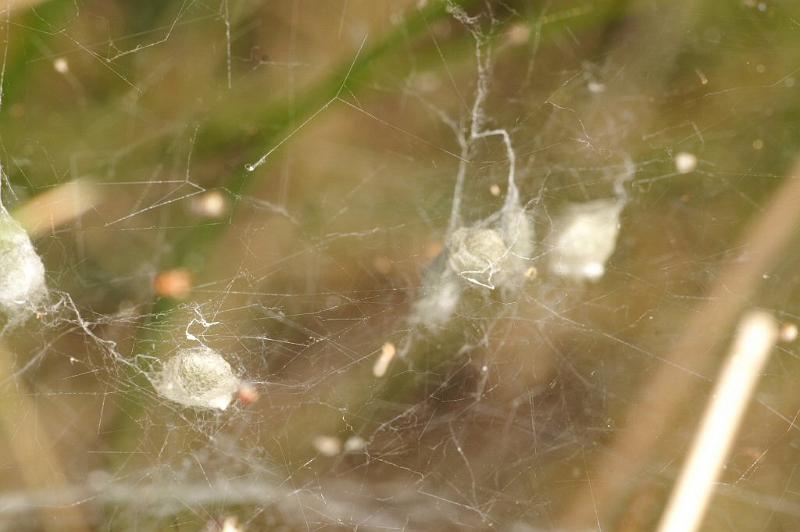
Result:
[22,279]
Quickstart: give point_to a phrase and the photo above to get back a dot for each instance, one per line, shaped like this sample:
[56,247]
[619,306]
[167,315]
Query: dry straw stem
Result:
[32,449]
[754,341]
[57,206]
[387,506]
[663,396]
[15,5]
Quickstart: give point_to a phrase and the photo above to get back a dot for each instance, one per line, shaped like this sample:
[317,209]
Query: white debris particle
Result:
[702,76]
[788,332]
[247,394]
[197,377]
[60,65]
[518,33]
[22,280]
[494,190]
[231,524]
[388,352]
[328,445]
[595,87]
[685,162]
[583,238]
[354,444]
[211,204]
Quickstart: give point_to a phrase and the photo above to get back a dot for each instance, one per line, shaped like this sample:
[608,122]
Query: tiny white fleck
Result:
[788,332]
[685,162]
[61,65]
[211,204]
[594,270]
[596,87]
[382,364]
[328,445]
[231,524]
[701,75]
[518,33]
[354,444]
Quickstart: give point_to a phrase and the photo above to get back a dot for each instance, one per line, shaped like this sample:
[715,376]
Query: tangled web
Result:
[377,265]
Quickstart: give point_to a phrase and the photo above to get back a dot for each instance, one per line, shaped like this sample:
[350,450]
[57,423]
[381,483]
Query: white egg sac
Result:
[197,377]
[583,238]
[22,282]
[477,254]
[493,257]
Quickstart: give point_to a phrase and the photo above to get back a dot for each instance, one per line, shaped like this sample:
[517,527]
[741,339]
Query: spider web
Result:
[283,183]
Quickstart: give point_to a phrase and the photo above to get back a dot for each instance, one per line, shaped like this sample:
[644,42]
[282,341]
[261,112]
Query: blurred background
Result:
[128,131]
